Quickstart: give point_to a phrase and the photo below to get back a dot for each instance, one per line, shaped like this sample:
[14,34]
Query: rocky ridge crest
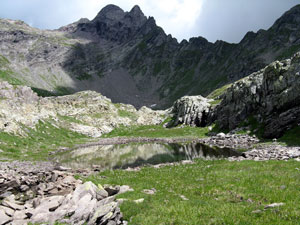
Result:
[128,58]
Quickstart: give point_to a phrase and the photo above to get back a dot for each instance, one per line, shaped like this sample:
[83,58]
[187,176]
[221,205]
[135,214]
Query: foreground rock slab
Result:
[53,196]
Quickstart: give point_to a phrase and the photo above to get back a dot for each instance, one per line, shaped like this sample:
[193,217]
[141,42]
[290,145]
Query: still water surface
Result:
[138,154]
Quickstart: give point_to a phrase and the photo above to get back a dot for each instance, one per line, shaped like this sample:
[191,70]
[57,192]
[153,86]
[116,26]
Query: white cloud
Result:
[177,17]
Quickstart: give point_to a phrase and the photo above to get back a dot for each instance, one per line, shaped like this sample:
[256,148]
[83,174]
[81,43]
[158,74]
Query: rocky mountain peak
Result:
[136,10]
[114,24]
[137,16]
[110,12]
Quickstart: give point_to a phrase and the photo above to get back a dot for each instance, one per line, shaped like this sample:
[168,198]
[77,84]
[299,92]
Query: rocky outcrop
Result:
[87,112]
[271,95]
[40,193]
[191,111]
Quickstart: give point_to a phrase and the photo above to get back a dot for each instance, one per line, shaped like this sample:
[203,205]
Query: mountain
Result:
[128,58]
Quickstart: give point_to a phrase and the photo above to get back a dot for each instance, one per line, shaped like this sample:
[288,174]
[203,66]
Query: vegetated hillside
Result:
[128,58]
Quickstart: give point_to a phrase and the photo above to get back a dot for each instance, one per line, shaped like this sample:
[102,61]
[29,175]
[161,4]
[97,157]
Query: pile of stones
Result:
[234,141]
[42,194]
[270,152]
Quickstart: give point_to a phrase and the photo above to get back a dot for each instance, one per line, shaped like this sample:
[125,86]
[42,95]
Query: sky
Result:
[227,20]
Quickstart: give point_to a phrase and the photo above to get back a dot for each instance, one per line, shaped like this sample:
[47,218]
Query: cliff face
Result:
[128,58]
[271,96]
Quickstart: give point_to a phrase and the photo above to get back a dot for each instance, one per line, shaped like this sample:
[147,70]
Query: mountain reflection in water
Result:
[137,154]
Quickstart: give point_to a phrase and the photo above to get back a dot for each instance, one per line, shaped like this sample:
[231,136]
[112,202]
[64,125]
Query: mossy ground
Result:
[218,92]
[219,192]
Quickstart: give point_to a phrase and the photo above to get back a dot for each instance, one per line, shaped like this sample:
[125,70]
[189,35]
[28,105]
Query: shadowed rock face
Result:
[113,24]
[271,95]
[127,57]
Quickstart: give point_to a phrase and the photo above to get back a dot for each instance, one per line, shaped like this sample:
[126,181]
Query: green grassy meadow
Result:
[218,192]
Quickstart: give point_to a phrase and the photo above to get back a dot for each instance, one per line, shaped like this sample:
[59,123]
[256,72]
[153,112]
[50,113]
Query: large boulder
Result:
[191,110]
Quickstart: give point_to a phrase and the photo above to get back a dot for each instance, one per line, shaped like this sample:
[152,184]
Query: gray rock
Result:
[151,191]
[4,219]
[85,206]
[69,180]
[12,205]
[102,210]
[5,195]
[124,189]
[24,188]
[8,211]
[47,205]
[274,102]
[106,201]
[20,215]
[183,197]
[89,187]
[273,205]
[54,176]
[111,223]
[221,135]
[42,217]
[19,222]
[191,110]
[138,201]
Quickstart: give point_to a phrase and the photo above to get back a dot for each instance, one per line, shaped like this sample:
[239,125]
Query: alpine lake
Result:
[122,156]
